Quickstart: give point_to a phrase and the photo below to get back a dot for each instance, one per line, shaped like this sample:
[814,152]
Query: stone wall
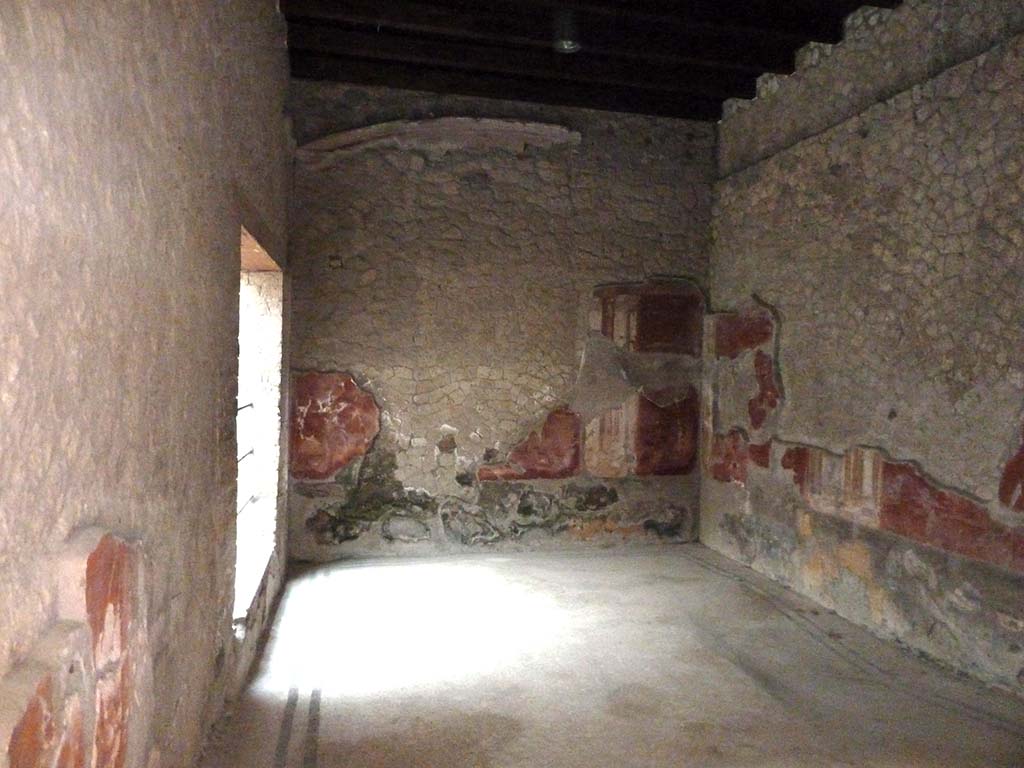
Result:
[865,365]
[447,258]
[883,52]
[135,138]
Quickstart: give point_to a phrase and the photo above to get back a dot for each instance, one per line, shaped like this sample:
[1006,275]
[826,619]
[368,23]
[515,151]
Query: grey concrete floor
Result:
[663,657]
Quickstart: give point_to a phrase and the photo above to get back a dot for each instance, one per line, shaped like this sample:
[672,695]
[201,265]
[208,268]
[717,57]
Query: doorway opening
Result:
[258,418]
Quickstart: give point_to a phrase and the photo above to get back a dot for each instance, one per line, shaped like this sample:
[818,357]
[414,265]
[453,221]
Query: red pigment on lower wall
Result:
[737,332]
[768,394]
[552,454]
[333,421]
[728,457]
[912,506]
[1011,485]
[667,437]
[33,736]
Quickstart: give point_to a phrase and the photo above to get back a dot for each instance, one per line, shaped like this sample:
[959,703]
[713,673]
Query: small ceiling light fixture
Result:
[567,39]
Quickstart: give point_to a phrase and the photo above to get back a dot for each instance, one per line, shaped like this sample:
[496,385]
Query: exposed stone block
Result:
[553,453]
[333,422]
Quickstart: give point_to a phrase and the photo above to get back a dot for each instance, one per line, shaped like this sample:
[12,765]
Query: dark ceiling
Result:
[680,58]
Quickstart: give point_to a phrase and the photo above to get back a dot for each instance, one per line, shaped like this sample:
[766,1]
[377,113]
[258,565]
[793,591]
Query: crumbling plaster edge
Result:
[437,135]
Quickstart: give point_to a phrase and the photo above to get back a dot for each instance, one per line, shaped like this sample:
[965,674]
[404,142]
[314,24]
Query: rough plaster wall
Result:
[456,284]
[135,137]
[890,247]
[883,53]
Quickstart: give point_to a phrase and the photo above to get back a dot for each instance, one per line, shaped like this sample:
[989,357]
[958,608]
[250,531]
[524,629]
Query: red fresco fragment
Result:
[109,581]
[33,736]
[667,437]
[798,459]
[912,506]
[670,323]
[333,422]
[554,453]
[737,332]
[760,453]
[1011,485]
[728,460]
[768,394]
[905,501]
[669,315]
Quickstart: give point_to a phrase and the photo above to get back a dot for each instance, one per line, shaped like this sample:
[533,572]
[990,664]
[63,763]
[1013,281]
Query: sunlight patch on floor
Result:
[367,630]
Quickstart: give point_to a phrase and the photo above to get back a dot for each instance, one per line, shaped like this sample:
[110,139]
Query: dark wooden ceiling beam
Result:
[806,19]
[314,66]
[749,50]
[539,64]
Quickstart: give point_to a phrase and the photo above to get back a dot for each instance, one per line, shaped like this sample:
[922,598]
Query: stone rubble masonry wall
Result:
[882,54]
[867,451]
[136,137]
[446,252]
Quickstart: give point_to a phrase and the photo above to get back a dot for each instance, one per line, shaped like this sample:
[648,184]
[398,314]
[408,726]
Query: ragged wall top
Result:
[135,138]
[891,246]
[456,283]
[883,53]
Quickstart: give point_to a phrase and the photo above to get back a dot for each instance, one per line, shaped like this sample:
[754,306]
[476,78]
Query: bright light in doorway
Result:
[365,630]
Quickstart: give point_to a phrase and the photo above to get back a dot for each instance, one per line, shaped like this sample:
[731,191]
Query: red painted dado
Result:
[33,737]
[554,453]
[737,332]
[667,437]
[333,421]
[728,457]
[1011,486]
[768,394]
[912,506]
